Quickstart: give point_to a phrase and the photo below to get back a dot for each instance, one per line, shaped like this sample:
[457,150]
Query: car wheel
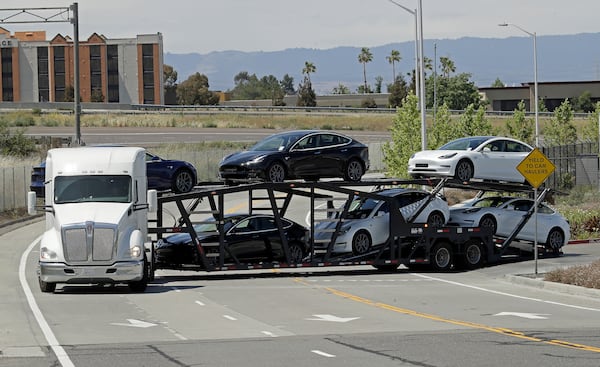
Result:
[296,253]
[354,170]
[361,243]
[436,220]
[555,240]
[473,256]
[489,221]
[276,172]
[183,181]
[441,256]
[47,287]
[464,171]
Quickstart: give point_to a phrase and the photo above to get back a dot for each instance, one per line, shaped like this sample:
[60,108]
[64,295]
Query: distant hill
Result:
[560,58]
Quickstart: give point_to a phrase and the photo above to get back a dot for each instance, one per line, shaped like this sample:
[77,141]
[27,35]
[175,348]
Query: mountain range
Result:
[559,58]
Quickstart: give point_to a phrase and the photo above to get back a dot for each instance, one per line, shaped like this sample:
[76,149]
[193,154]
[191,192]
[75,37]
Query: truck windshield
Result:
[92,188]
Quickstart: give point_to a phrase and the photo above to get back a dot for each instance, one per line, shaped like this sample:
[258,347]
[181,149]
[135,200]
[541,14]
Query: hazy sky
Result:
[269,25]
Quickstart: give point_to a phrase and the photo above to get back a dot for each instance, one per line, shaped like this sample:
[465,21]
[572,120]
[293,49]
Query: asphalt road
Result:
[353,316]
[145,136]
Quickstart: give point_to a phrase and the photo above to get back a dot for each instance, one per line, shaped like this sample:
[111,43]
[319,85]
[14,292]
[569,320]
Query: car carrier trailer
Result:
[414,245]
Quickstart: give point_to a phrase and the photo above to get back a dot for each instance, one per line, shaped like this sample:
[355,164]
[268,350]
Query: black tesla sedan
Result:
[249,239]
[305,154]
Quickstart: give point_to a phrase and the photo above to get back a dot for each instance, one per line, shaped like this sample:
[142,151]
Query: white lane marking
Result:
[323,353]
[58,350]
[199,303]
[332,318]
[268,333]
[134,323]
[230,317]
[507,294]
[525,315]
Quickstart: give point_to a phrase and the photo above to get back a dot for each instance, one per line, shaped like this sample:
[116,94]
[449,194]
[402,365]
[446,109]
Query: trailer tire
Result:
[361,242]
[441,256]
[47,287]
[473,256]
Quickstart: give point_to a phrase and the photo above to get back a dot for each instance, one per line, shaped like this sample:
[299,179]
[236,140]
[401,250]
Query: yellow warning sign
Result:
[536,168]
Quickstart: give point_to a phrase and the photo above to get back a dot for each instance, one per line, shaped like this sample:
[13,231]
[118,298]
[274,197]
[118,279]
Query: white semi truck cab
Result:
[96,206]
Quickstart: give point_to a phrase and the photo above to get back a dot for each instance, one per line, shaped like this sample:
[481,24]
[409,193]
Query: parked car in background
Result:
[305,154]
[502,214]
[249,238]
[368,220]
[163,174]
[481,157]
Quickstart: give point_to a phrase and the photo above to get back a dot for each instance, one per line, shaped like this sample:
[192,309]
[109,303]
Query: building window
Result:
[7,75]
[148,73]
[112,55]
[59,74]
[43,74]
[96,74]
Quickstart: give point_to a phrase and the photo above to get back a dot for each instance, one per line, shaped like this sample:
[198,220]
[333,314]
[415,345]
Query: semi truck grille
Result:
[89,242]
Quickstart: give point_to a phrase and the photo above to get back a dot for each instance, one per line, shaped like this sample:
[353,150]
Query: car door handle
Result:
[255,236]
[344,150]
[317,153]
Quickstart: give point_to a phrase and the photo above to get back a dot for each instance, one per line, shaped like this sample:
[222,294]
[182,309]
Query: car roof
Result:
[397,191]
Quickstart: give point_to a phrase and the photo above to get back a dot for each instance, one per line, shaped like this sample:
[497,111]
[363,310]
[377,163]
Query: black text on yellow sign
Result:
[536,168]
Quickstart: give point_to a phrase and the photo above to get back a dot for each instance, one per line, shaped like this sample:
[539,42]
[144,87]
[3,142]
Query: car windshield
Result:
[464,143]
[491,202]
[92,188]
[212,226]
[361,208]
[276,143]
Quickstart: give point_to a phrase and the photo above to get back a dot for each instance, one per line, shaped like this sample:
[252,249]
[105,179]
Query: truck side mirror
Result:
[152,199]
[31,201]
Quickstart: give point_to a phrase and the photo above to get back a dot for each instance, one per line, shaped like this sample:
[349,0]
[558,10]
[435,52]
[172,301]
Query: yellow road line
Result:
[503,331]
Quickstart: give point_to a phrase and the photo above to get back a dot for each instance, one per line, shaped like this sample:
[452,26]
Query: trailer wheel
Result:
[47,287]
[361,243]
[441,256]
[474,256]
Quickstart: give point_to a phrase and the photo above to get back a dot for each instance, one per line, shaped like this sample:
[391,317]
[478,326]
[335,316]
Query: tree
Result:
[498,83]
[473,122]
[306,95]
[340,89]
[444,129]
[309,68]
[456,91]
[365,57]
[398,92]
[97,95]
[169,76]
[590,129]
[194,91]
[583,103]
[378,83]
[560,130]
[520,127]
[14,142]
[447,66]
[287,85]
[393,58]
[405,138]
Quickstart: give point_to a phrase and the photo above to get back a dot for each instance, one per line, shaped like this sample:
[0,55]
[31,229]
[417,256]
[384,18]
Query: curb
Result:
[579,242]
[539,282]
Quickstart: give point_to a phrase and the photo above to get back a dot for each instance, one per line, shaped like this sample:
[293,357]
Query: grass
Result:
[581,275]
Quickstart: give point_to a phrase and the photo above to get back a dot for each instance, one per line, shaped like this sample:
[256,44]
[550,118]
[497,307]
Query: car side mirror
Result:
[486,150]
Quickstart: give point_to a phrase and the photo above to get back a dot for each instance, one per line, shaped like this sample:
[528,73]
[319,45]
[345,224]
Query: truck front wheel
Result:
[140,285]
[47,287]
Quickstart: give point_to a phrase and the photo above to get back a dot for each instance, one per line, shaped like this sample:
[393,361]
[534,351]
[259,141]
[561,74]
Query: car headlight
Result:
[47,254]
[256,160]
[135,251]
[447,156]
[345,229]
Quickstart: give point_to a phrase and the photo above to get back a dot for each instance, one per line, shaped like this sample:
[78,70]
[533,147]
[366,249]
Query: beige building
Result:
[127,71]
[552,93]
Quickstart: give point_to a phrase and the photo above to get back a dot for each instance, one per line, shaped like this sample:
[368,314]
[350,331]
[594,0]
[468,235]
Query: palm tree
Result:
[364,57]
[393,59]
[447,66]
[309,67]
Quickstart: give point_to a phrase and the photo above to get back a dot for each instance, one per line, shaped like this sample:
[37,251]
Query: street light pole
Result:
[535,79]
[419,72]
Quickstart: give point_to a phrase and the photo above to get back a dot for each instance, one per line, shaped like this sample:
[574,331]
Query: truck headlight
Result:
[135,251]
[47,254]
